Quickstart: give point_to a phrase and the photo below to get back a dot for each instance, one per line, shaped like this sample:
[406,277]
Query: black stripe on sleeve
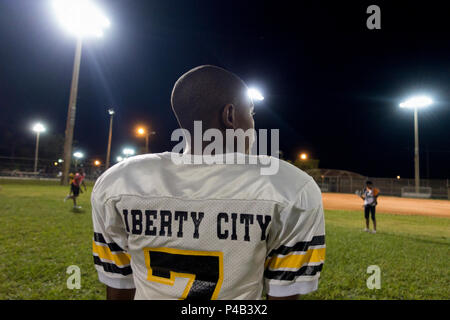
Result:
[299,246]
[291,275]
[109,267]
[98,237]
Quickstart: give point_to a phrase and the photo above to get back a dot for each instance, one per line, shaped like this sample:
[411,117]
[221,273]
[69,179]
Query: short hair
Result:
[202,92]
[369,182]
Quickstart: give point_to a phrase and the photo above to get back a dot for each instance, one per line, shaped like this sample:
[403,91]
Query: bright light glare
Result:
[78,155]
[111,112]
[38,127]
[128,152]
[141,131]
[255,94]
[303,156]
[81,17]
[119,158]
[417,102]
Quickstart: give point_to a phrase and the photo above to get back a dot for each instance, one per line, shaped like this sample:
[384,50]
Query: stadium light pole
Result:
[108,151]
[141,131]
[416,103]
[38,128]
[81,18]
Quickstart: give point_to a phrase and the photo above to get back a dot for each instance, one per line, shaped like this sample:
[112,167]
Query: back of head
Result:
[201,94]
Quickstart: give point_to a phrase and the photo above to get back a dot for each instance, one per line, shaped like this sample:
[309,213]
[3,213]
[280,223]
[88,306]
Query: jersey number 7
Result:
[204,269]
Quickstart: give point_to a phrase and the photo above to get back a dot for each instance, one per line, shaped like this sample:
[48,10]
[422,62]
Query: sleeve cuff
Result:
[302,287]
[117,283]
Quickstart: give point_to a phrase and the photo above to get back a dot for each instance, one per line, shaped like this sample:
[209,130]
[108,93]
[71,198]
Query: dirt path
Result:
[426,207]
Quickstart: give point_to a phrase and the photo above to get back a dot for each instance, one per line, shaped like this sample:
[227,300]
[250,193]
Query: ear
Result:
[229,116]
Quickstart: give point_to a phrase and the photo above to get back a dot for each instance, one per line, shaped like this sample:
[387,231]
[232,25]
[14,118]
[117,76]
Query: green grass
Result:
[41,236]
[411,251]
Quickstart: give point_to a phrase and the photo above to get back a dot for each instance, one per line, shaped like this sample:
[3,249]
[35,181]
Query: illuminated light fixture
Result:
[128,152]
[141,131]
[255,94]
[81,17]
[417,102]
[38,127]
[78,155]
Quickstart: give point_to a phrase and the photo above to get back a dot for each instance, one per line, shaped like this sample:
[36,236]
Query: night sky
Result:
[331,86]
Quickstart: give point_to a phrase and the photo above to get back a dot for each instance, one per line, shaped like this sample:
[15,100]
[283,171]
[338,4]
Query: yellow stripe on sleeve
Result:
[119,258]
[296,261]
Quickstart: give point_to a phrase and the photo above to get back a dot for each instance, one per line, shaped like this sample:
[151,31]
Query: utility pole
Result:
[70,124]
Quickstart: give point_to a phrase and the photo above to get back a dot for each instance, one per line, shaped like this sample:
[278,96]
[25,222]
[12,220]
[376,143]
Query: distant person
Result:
[75,187]
[166,230]
[370,196]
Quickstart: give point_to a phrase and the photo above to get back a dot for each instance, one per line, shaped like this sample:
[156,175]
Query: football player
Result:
[71,176]
[75,186]
[165,230]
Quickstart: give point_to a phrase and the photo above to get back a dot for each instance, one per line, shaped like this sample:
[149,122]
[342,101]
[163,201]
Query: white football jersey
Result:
[199,231]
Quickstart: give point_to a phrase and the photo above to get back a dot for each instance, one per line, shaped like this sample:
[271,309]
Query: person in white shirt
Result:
[207,231]
[370,196]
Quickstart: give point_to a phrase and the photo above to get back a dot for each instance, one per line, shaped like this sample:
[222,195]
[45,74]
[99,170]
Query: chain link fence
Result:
[440,189]
[51,169]
[21,167]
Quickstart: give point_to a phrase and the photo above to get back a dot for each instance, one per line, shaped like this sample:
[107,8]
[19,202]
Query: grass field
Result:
[41,236]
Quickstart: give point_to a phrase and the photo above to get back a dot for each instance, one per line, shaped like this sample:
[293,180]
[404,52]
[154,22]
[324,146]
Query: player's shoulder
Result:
[294,184]
[289,172]
[127,169]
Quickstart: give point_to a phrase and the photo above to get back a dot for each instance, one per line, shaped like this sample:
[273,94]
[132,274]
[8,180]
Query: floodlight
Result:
[78,155]
[128,151]
[417,102]
[255,94]
[38,127]
[81,17]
